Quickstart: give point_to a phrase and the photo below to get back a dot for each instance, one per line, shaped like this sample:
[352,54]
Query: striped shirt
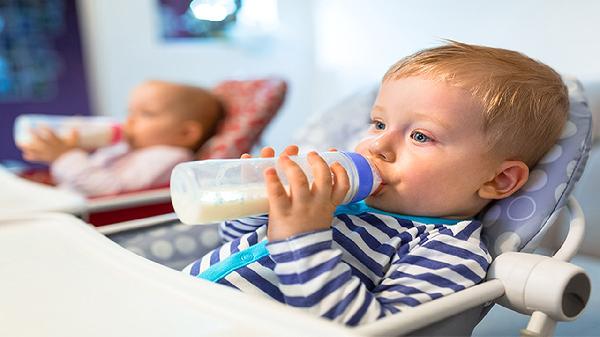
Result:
[368,265]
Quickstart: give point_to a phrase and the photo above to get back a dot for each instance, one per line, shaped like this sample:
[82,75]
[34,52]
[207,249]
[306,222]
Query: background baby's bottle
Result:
[215,190]
[93,131]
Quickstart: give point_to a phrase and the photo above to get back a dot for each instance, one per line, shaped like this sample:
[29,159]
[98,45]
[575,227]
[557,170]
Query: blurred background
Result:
[84,56]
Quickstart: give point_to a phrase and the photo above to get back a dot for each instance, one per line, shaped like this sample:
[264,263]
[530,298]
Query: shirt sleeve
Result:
[234,229]
[79,171]
[313,276]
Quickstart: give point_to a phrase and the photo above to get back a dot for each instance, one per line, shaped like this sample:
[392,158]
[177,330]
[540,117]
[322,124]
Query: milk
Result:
[221,203]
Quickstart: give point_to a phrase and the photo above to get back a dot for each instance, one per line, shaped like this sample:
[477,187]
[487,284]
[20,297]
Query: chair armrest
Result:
[152,221]
[412,319]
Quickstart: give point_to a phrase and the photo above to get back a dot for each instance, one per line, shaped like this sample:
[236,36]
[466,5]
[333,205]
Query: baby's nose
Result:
[383,147]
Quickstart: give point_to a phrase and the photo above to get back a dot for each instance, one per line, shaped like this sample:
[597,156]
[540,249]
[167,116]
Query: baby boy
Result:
[452,129]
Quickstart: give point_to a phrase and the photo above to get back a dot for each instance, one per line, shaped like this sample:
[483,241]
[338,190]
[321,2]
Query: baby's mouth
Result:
[378,190]
[381,184]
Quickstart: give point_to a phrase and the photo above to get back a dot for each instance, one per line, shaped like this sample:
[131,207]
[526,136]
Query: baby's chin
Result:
[386,205]
[376,202]
[131,142]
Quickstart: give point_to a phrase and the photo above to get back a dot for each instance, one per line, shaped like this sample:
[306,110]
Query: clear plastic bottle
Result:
[214,190]
[93,131]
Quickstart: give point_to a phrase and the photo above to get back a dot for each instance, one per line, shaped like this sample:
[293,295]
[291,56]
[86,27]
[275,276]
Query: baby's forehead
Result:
[447,117]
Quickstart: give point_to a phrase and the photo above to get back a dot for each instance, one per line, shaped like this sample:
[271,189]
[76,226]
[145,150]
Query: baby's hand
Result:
[307,207]
[250,174]
[45,146]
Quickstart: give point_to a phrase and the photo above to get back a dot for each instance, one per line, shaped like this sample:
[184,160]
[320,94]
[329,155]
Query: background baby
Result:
[167,122]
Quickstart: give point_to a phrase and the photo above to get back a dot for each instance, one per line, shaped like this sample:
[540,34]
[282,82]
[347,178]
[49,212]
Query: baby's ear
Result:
[510,176]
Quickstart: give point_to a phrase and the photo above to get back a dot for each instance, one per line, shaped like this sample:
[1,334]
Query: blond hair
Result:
[524,102]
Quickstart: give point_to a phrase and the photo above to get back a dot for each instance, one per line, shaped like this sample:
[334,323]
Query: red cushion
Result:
[249,107]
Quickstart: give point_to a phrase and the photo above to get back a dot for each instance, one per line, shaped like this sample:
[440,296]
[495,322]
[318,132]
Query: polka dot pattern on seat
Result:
[174,245]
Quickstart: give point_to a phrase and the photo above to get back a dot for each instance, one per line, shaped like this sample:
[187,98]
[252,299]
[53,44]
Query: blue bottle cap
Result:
[365,176]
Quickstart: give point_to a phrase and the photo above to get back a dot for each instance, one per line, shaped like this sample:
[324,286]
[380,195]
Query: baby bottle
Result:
[222,189]
[93,131]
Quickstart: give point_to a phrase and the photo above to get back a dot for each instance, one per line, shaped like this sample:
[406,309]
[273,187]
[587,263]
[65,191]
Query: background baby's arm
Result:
[45,146]
[96,174]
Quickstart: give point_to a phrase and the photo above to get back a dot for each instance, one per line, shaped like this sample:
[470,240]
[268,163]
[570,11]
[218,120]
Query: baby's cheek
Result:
[428,182]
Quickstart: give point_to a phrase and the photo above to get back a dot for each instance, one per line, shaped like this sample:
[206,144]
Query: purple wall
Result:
[51,80]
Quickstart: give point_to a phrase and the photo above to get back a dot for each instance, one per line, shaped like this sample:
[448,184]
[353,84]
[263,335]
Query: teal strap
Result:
[238,260]
[362,207]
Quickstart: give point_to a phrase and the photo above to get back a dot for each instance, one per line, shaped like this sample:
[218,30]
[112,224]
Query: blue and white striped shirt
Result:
[369,264]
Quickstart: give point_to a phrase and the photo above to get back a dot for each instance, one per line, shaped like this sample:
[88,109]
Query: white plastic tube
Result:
[93,131]
[214,190]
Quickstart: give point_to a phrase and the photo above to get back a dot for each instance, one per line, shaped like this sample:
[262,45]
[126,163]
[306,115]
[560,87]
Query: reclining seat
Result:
[519,223]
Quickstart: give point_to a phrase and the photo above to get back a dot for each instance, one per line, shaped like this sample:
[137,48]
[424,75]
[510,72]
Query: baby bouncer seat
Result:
[515,224]
[549,289]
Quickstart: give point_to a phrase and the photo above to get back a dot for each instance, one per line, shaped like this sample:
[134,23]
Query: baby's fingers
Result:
[72,138]
[341,183]
[47,135]
[291,150]
[322,176]
[299,188]
[276,194]
[267,152]
[38,142]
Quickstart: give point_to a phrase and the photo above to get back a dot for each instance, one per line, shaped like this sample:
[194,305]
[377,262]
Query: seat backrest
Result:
[340,126]
[517,223]
[249,107]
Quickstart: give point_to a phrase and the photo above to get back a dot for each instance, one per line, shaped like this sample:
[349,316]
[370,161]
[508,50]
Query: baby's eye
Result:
[419,137]
[378,125]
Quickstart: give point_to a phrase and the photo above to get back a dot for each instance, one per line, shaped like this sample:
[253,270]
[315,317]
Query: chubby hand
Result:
[45,146]
[307,207]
